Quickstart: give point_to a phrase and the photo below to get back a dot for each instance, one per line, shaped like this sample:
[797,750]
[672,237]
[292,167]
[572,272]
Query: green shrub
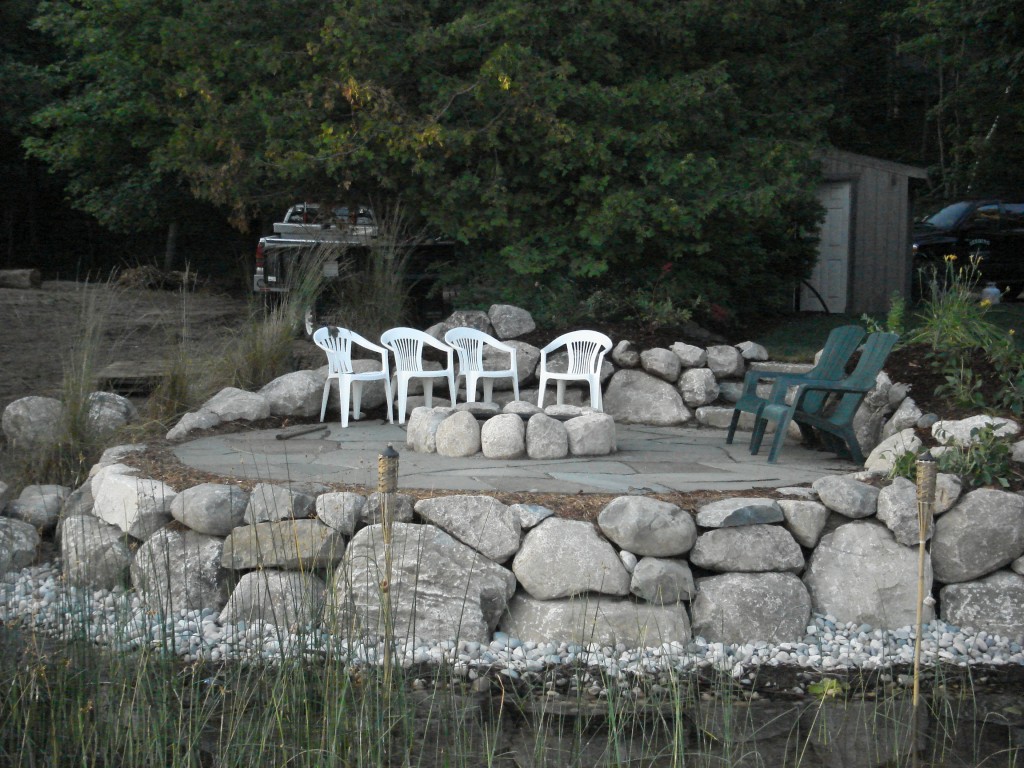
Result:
[986,460]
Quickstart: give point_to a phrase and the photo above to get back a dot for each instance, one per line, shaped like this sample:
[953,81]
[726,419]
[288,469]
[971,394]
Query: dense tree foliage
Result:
[662,146]
[973,53]
[590,139]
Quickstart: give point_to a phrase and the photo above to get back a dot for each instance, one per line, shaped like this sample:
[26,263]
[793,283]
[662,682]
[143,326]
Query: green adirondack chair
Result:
[833,419]
[840,345]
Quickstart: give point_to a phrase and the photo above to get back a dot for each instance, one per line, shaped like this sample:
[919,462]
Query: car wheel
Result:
[309,321]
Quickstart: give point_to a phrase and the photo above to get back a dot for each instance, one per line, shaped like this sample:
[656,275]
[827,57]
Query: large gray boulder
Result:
[860,573]
[210,508]
[294,394]
[510,321]
[805,519]
[458,435]
[201,419]
[625,354]
[661,363]
[872,414]
[481,522]
[662,581]
[726,361]
[401,508]
[981,534]
[647,526]
[584,620]
[994,604]
[546,438]
[741,510]
[93,553]
[527,359]
[440,589]
[897,508]
[905,417]
[421,431]
[503,437]
[179,570]
[748,548]
[746,607]
[561,558]
[635,397]
[39,505]
[341,511]
[698,387]
[233,404]
[847,495]
[289,545]
[19,544]
[139,506]
[270,503]
[883,456]
[689,355]
[591,434]
[32,422]
[108,412]
[961,431]
[287,599]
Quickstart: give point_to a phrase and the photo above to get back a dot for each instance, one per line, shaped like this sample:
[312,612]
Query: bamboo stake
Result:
[926,476]
[387,485]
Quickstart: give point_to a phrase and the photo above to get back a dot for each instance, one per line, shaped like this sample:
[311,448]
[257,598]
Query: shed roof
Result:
[887,166]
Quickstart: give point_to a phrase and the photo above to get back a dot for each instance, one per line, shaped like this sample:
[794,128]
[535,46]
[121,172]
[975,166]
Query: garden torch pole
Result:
[387,485]
[926,475]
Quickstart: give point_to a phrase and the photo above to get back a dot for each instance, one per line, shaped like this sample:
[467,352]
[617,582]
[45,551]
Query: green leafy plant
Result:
[962,386]
[895,320]
[904,465]
[950,319]
[986,460]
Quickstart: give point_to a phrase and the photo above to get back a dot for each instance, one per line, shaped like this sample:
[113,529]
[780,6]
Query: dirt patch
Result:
[141,327]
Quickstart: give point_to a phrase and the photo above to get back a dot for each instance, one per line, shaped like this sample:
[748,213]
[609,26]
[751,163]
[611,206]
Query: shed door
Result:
[830,274]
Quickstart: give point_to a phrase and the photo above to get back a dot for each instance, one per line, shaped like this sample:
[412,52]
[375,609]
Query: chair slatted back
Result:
[839,347]
[872,358]
[337,344]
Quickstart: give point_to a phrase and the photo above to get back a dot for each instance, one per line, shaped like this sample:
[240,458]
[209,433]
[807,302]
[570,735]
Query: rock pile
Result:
[465,566]
[681,385]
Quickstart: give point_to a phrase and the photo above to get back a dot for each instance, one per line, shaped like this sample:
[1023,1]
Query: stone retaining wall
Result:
[646,573]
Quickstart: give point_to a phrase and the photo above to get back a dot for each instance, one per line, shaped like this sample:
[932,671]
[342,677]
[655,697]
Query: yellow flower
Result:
[950,257]
[1011,331]
[986,303]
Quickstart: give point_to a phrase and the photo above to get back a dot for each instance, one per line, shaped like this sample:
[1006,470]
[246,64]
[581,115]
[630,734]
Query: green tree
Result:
[587,140]
[974,53]
[162,104]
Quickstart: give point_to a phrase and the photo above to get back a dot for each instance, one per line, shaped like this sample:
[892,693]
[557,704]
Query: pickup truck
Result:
[992,231]
[308,226]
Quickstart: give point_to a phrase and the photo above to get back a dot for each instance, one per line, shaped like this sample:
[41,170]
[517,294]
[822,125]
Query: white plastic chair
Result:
[586,350]
[337,344]
[469,343]
[407,345]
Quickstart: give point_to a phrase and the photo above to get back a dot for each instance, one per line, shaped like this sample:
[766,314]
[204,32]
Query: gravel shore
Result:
[37,599]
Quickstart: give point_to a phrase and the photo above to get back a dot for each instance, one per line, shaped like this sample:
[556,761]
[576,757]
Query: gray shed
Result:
[864,251]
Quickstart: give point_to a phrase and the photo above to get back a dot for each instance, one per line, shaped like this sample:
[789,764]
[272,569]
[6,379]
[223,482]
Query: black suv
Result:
[991,230]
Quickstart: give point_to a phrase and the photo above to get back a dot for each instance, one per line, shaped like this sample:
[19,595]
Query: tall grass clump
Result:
[951,317]
[67,459]
[375,294]
[958,329]
[262,350]
[184,381]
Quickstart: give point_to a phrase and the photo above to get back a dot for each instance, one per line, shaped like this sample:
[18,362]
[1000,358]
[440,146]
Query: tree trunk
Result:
[20,278]
[171,249]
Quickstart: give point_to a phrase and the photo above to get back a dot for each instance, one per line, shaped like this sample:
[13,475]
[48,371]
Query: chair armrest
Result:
[824,385]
